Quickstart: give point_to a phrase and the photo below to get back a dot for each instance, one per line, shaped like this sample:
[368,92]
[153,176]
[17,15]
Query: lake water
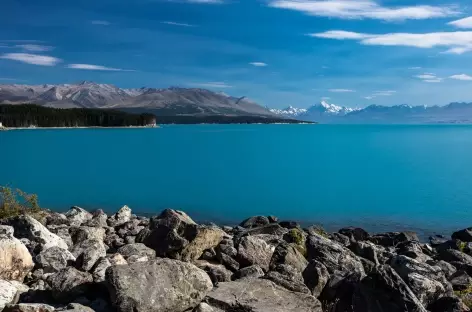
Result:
[378,177]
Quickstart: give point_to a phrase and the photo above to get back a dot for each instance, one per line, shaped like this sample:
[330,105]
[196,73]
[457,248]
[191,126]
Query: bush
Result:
[16,202]
[465,295]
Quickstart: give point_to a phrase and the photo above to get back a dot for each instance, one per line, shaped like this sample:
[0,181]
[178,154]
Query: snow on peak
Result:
[289,111]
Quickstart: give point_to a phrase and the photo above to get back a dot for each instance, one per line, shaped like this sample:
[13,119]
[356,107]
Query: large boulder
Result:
[288,277]
[28,307]
[54,259]
[78,216]
[174,234]
[28,227]
[316,276]
[69,283]
[88,252]
[122,216]
[99,219]
[255,221]
[136,249]
[217,272]
[81,233]
[288,254]
[259,295]
[162,285]
[384,290]
[464,235]
[334,256]
[250,272]
[355,234]
[393,238]
[15,260]
[253,250]
[99,270]
[8,293]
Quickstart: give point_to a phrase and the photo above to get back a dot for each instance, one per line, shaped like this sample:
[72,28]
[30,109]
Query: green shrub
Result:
[296,236]
[16,202]
[465,295]
[461,246]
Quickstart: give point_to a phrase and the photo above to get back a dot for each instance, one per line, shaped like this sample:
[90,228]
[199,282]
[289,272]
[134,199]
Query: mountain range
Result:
[197,102]
[331,113]
[168,102]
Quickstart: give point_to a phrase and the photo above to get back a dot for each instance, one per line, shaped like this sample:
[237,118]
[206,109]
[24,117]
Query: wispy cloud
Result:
[95,67]
[34,47]
[384,93]
[457,42]
[206,1]
[363,9]
[35,59]
[462,23]
[258,64]
[215,84]
[341,90]
[100,22]
[414,68]
[325,98]
[177,24]
[429,77]
[369,97]
[461,77]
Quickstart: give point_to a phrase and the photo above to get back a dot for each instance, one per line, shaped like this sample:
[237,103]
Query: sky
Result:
[277,52]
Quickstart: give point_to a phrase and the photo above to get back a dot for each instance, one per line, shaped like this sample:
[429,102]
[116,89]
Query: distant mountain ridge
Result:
[330,113]
[168,101]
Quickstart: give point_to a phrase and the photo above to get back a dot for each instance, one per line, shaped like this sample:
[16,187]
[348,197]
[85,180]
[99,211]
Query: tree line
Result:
[27,115]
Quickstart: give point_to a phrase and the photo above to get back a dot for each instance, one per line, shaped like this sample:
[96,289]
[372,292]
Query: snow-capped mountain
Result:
[289,111]
[167,101]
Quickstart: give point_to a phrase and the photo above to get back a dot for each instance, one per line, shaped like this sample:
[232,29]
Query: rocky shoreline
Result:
[84,262]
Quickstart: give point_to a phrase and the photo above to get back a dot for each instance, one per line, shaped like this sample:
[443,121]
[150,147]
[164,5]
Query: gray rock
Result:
[227,247]
[98,272]
[316,276]
[288,254]
[63,232]
[426,290]
[54,259]
[414,250]
[334,256]
[117,259]
[55,218]
[69,283]
[464,235]
[99,219]
[260,295]
[254,251]
[78,216]
[288,277]
[76,307]
[88,252]
[15,259]
[29,307]
[27,227]
[366,249]
[137,258]
[393,238]
[460,280]
[130,240]
[122,216]
[82,233]
[448,304]
[8,293]
[132,227]
[448,269]
[174,234]
[343,240]
[136,249]
[227,261]
[355,234]
[204,307]
[114,241]
[272,229]
[251,272]
[384,290]
[162,285]
[209,255]
[450,255]
[217,272]
[253,222]
[437,240]
[339,293]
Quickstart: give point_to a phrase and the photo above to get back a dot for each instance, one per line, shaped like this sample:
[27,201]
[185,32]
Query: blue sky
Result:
[277,52]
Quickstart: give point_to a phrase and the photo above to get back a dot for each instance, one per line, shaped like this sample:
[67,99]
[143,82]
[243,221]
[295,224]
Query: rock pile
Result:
[85,262]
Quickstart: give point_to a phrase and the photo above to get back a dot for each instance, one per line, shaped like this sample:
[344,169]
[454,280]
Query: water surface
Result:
[380,177]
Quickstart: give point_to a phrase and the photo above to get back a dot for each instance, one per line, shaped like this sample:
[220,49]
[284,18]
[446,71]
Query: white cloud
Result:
[462,23]
[177,24]
[215,84]
[426,76]
[34,59]
[457,42]
[34,47]
[98,22]
[384,93]
[369,97]
[341,90]
[95,67]
[325,98]
[362,9]
[461,77]
[433,80]
[258,64]
[206,1]
[414,68]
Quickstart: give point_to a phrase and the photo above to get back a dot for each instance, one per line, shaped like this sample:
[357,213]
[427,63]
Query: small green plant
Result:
[465,295]
[14,202]
[296,236]
[320,231]
[461,246]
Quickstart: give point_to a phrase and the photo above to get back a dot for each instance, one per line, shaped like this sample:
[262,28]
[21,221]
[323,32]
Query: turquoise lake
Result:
[379,177]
